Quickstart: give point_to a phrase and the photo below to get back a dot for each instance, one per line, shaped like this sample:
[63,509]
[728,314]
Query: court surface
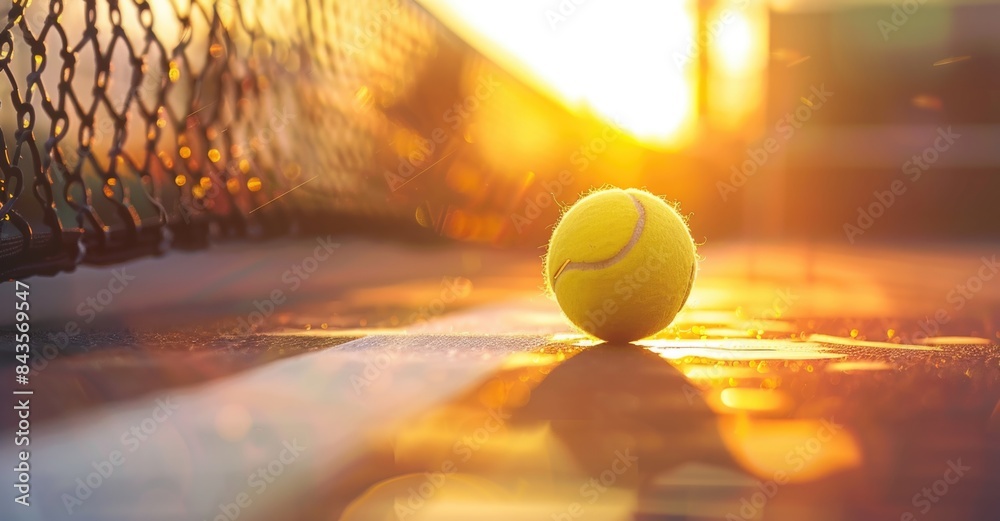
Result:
[424,382]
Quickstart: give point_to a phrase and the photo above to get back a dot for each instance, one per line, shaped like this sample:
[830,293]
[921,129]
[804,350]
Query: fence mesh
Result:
[133,126]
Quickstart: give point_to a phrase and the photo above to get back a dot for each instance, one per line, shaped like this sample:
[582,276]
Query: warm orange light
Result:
[790,451]
[736,43]
[754,400]
[615,58]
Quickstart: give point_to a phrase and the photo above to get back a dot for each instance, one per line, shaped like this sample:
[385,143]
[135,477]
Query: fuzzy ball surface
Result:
[621,264]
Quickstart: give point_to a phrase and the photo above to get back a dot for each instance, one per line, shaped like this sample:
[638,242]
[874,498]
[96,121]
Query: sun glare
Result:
[735,44]
[738,54]
[632,61]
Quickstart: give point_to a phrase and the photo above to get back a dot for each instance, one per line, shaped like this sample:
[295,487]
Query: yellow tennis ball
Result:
[621,264]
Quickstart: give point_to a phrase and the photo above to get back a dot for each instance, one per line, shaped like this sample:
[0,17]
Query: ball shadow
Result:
[614,397]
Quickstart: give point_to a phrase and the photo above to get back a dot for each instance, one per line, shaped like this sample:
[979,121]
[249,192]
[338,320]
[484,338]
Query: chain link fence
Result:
[130,127]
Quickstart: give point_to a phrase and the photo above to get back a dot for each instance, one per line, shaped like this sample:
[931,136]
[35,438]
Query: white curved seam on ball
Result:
[606,263]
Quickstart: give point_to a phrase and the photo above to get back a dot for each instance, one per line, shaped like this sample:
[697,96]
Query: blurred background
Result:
[168,127]
[703,85]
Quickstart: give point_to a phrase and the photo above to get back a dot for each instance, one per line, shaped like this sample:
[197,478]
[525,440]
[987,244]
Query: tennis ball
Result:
[621,264]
